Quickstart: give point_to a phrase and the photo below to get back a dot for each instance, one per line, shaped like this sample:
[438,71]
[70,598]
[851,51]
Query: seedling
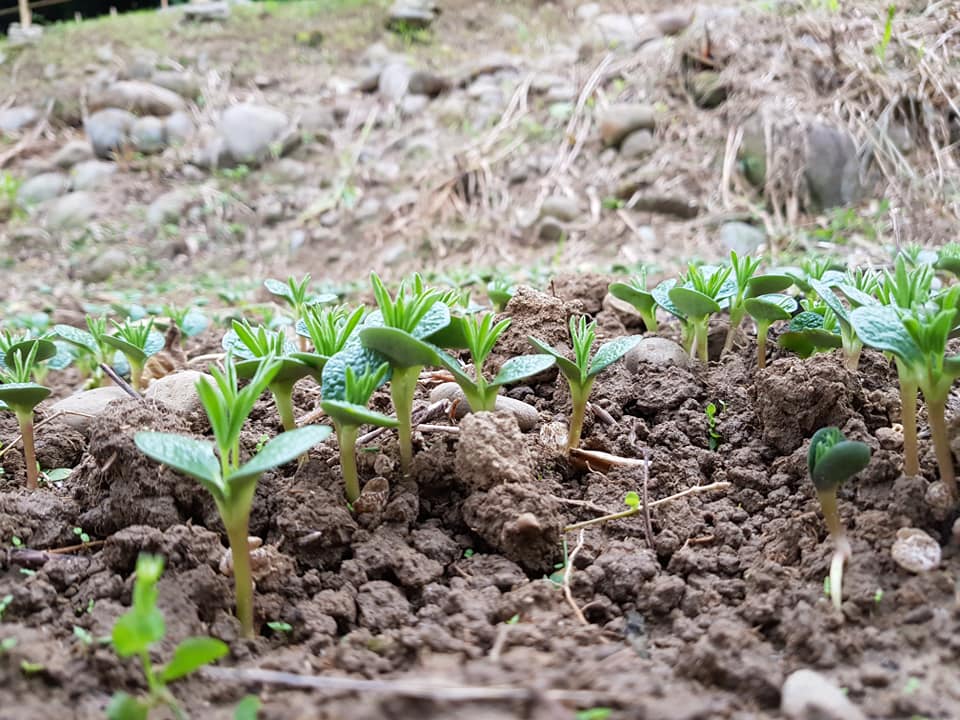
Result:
[414,315]
[137,631]
[500,291]
[255,346]
[137,342]
[231,484]
[21,395]
[190,320]
[328,329]
[852,346]
[918,340]
[297,296]
[636,293]
[581,372]
[349,410]
[713,435]
[91,344]
[831,460]
[661,293]
[481,334]
[706,290]
[766,310]
[811,332]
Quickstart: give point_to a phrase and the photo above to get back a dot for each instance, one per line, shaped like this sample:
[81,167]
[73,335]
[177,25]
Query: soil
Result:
[448,574]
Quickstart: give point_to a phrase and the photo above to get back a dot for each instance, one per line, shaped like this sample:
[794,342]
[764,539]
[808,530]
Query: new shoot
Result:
[137,342]
[766,310]
[706,291]
[636,293]
[21,395]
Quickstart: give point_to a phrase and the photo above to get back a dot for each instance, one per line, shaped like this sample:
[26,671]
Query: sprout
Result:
[328,329]
[811,332]
[635,292]
[852,346]
[297,296]
[831,460]
[481,334]
[582,371]
[766,310]
[500,291]
[705,291]
[137,342]
[91,344]
[231,484]
[190,320]
[21,395]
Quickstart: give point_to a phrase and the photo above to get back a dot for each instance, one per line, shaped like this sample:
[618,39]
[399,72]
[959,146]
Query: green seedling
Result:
[831,460]
[481,334]
[948,259]
[766,310]
[135,634]
[636,293]
[91,345]
[329,329]
[190,320]
[231,483]
[850,341]
[908,286]
[500,291]
[582,371]
[917,339]
[414,315]
[298,296]
[811,332]
[713,435]
[137,342]
[348,409]
[254,346]
[705,291]
[21,395]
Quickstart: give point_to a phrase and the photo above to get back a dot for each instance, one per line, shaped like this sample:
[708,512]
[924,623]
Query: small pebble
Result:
[915,551]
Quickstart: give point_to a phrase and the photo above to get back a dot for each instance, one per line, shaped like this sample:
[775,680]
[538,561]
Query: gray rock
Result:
[179,128]
[551,230]
[413,105]
[411,14]
[72,211]
[138,97]
[16,118]
[109,263]
[394,81]
[92,174]
[526,415]
[619,30]
[561,208]
[40,188]
[252,133]
[742,237]
[621,119]
[109,131]
[682,207]
[206,11]
[75,151]
[81,409]
[287,171]
[169,207]
[657,351]
[178,391]
[808,695]
[638,145]
[671,22]
[148,135]
[184,84]
[427,83]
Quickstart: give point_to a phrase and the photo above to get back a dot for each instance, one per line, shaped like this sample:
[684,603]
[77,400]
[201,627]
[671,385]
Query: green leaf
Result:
[128,349]
[521,367]
[767,284]
[354,355]
[856,296]
[797,342]
[123,706]
[839,463]
[693,303]
[881,327]
[58,474]
[194,323]
[64,356]
[290,369]
[642,300]
[631,499]
[281,289]
[436,319]
[77,337]
[452,336]
[567,367]
[193,653]
[401,349]
[25,396]
[184,454]
[45,351]
[610,352]
[770,308]
[282,449]
[355,415]
[453,365]
[661,293]
[136,630]
[247,708]
[831,300]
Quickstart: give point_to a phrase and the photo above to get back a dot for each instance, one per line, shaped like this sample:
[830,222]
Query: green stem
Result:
[578,396]
[736,317]
[347,437]
[762,330]
[908,418]
[152,684]
[649,318]
[136,374]
[701,332]
[25,419]
[283,396]
[936,411]
[237,533]
[403,386]
[831,516]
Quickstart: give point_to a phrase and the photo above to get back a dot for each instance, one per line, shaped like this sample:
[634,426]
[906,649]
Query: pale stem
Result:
[941,444]
[908,417]
[403,386]
[347,437]
[29,452]
[237,533]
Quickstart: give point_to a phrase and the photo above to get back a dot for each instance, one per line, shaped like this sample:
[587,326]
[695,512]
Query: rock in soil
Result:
[81,409]
[491,451]
[915,551]
[526,415]
[807,695]
[619,120]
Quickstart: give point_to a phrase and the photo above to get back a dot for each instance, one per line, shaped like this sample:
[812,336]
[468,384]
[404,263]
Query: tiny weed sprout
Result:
[481,334]
[255,346]
[298,296]
[917,339]
[134,635]
[831,460]
[137,342]
[713,435]
[705,291]
[636,293]
[582,371]
[21,395]
[231,484]
[348,410]
[766,310]
[413,316]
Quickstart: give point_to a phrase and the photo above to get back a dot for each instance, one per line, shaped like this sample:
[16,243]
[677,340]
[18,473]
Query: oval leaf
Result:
[610,352]
[291,369]
[693,303]
[77,337]
[831,300]
[436,319]
[45,351]
[123,706]
[770,308]
[186,455]
[64,356]
[281,289]
[355,415]
[567,367]
[401,349]
[841,462]
[880,327]
[452,336]
[282,449]
[796,342]
[522,367]
[128,349]
[23,396]
[661,293]
[766,284]
[642,300]
[194,323]
[191,654]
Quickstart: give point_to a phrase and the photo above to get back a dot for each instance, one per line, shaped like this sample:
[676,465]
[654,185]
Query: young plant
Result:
[706,290]
[137,342]
[481,335]
[831,460]
[21,395]
[348,410]
[636,293]
[582,371]
[661,293]
[811,332]
[190,320]
[329,329]
[500,291]
[413,316]
[917,339]
[134,635]
[254,346]
[231,483]
[298,296]
[852,346]
[90,343]
[766,310]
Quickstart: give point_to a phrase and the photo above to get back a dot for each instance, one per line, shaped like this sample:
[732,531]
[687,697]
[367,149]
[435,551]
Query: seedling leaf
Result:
[770,307]
[193,653]
[45,351]
[567,367]
[123,706]
[610,352]
[351,414]
[23,395]
[693,303]
[187,455]
[402,349]
[77,337]
[521,367]
[766,284]
[135,631]
[282,449]
[881,327]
